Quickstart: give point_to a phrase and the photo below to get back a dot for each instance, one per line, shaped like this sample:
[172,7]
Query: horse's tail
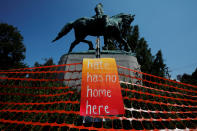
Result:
[64,31]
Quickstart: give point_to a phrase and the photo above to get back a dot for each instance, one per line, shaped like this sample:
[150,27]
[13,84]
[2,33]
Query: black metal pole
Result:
[98,51]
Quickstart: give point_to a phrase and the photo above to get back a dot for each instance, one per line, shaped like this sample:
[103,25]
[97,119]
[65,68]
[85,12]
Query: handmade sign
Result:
[100,88]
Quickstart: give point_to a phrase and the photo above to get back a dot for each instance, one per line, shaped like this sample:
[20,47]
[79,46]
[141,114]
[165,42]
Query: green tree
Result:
[48,62]
[133,37]
[144,56]
[158,66]
[12,49]
[186,78]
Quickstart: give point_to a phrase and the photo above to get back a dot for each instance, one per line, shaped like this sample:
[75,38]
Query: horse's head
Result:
[124,17]
[132,17]
[125,21]
[128,18]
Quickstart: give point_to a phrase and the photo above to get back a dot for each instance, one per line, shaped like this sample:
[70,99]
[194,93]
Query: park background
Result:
[166,25]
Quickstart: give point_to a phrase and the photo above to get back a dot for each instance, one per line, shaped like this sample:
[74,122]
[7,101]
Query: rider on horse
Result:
[99,25]
[99,10]
[100,17]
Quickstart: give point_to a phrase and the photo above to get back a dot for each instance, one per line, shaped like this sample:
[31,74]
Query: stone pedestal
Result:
[124,59]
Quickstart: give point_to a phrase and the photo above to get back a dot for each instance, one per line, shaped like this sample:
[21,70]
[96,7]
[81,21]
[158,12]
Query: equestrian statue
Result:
[98,25]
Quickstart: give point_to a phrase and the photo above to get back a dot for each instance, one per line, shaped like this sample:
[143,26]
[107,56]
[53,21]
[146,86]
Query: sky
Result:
[169,25]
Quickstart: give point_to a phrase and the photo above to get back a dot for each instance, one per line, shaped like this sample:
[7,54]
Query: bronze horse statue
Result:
[109,27]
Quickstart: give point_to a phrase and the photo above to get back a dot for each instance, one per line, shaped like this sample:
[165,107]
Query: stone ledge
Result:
[122,59]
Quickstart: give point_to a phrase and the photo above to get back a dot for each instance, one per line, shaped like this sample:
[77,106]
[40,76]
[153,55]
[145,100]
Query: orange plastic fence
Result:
[48,98]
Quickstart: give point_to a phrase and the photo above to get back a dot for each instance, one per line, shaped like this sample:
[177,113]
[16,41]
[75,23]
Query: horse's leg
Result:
[106,42]
[89,43]
[73,45]
[120,45]
[127,47]
[121,40]
[80,35]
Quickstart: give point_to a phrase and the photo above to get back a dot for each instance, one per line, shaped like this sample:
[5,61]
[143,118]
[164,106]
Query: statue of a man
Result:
[99,10]
[100,17]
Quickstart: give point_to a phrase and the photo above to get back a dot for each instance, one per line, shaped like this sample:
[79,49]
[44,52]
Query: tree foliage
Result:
[144,56]
[12,49]
[48,62]
[191,79]
[158,66]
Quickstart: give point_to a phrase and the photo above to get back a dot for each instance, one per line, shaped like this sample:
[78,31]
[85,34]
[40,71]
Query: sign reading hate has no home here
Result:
[100,89]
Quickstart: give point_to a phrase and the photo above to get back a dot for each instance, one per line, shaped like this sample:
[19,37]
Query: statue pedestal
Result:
[124,59]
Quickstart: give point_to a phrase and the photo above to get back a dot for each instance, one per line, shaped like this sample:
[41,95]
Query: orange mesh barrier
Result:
[48,98]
